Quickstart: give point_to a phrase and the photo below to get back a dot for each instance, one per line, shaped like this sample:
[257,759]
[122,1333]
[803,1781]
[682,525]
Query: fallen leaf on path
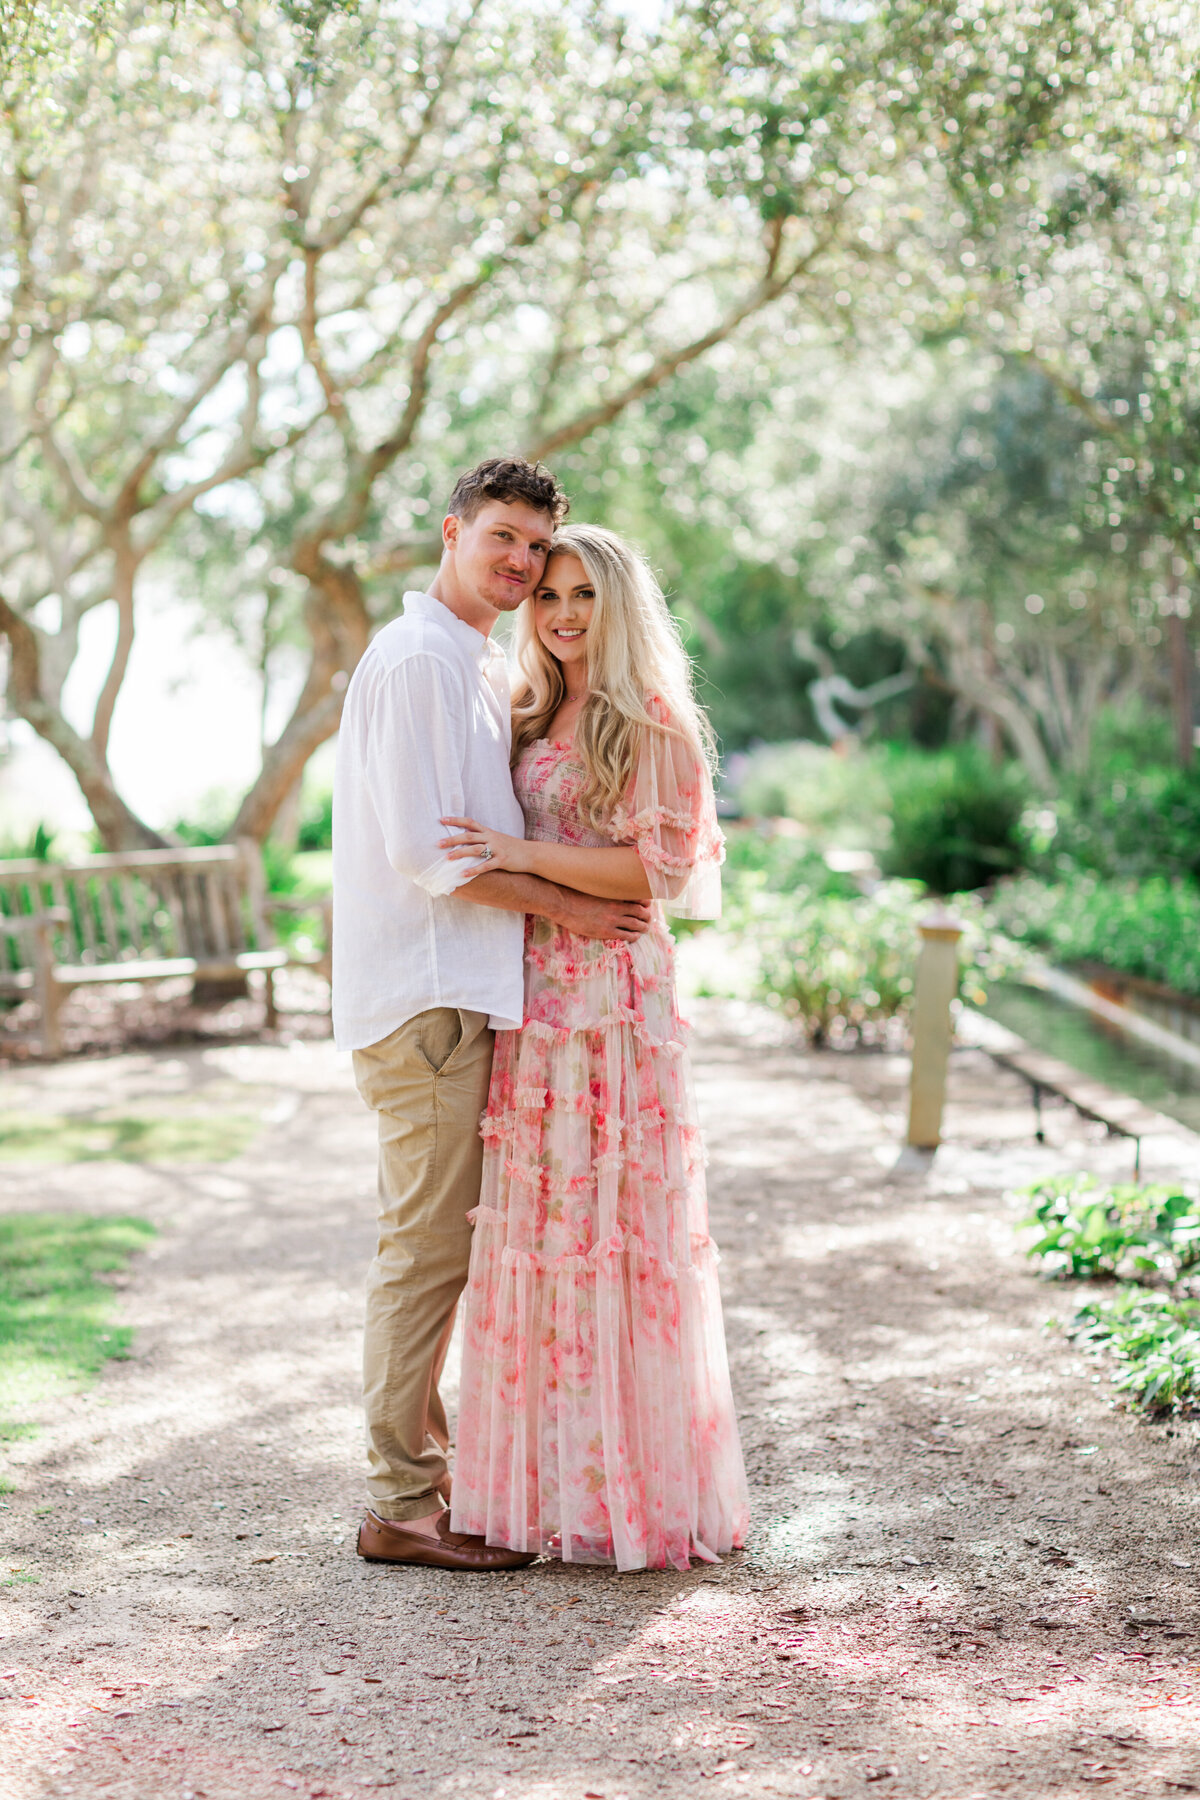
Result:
[263,1559]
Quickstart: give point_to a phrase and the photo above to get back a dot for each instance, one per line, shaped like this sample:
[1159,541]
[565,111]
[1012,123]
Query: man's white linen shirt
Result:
[425,733]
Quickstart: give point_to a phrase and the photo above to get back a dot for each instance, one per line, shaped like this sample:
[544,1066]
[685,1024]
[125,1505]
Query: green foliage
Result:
[55,1311]
[838,964]
[316,825]
[1149,928]
[1150,1236]
[1127,821]
[839,797]
[1090,1231]
[711,207]
[1156,1336]
[778,863]
[37,847]
[837,960]
[955,819]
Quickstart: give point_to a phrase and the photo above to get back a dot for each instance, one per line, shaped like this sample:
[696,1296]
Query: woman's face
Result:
[563,602]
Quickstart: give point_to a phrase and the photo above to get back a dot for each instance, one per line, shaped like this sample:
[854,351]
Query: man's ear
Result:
[450,525]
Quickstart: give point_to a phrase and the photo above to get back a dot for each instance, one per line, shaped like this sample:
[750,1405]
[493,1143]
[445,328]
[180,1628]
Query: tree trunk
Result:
[340,628]
[118,825]
[1183,707]
[1004,707]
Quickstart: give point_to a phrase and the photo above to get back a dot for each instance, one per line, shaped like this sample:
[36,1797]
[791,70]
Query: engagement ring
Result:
[487,853]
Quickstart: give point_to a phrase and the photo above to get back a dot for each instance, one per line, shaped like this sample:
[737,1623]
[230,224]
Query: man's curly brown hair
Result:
[508,478]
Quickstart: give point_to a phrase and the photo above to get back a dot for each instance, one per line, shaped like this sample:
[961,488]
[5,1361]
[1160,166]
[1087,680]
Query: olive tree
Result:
[267,270]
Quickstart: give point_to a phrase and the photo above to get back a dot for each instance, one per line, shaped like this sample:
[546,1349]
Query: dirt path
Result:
[955,1535]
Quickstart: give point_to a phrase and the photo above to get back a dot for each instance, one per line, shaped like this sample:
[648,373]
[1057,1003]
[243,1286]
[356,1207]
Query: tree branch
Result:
[768,288]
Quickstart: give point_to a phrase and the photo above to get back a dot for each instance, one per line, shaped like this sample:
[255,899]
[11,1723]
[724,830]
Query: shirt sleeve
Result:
[670,817]
[414,758]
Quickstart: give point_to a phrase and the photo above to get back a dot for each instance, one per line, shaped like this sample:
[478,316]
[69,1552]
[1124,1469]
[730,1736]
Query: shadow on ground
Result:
[968,1574]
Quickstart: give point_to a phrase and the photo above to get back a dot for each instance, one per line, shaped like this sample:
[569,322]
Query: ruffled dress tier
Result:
[596,1421]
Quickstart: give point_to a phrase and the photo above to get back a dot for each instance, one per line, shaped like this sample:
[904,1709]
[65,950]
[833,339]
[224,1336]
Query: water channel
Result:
[1098,1049]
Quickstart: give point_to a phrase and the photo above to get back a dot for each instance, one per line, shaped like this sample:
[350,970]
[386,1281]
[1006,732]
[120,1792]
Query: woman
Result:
[596,1421]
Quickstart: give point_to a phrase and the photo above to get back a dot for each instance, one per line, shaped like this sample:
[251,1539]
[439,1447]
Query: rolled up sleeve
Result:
[415,754]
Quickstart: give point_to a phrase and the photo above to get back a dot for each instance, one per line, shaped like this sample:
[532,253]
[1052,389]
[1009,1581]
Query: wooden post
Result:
[936,987]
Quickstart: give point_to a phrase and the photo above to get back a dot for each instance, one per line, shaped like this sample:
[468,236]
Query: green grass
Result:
[125,1137]
[56,1314]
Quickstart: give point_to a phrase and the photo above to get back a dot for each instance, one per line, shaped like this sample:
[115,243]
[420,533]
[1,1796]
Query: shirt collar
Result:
[481,649]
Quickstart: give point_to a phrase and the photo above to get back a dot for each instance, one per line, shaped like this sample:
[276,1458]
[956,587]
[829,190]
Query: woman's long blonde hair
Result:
[634,655]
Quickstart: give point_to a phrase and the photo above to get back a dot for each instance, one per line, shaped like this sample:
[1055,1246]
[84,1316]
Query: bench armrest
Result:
[288,903]
[34,924]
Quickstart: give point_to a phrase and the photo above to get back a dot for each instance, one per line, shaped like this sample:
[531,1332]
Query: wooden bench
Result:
[147,915]
[1120,1114]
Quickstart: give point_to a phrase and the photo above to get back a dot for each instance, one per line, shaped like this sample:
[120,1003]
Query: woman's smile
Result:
[562,608]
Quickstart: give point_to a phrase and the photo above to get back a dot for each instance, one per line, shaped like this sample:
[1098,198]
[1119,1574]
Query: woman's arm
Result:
[617,874]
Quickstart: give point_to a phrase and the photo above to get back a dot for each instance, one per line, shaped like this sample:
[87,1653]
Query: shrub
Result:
[955,820]
[837,796]
[837,963]
[1127,823]
[778,863]
[1156,1336]
[1149,928]
[1150,1235]
[841,964]
[1090,1231]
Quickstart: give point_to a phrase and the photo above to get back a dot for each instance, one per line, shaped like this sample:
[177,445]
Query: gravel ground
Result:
[968,1574]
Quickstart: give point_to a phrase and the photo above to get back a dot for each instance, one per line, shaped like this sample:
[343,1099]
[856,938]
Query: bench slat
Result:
[170,889]
[108,917]
[208,968]
[30,870]
[130,910]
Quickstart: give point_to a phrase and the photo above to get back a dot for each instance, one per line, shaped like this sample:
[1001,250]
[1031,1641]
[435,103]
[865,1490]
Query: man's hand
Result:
[591,918]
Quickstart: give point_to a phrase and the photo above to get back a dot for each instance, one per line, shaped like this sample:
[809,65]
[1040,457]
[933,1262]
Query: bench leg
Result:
[50,995]
[272,1012]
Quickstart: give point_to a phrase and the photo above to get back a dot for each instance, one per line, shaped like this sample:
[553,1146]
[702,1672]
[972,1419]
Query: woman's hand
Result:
[488,849]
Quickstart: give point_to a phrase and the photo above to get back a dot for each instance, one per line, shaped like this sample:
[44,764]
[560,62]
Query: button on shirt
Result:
[425,733]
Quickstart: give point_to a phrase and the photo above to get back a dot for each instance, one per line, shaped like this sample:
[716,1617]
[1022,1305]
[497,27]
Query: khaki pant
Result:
[428,1082]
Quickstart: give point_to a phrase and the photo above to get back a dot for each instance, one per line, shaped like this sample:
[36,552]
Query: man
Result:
[426,965]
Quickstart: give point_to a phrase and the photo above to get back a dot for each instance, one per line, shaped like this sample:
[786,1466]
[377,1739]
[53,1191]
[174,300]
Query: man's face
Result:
[499,555]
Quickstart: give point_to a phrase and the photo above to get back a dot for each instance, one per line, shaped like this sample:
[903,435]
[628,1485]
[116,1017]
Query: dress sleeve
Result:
[670,817]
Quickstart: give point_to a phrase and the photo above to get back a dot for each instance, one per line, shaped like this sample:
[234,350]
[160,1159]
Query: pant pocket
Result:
[440,1036]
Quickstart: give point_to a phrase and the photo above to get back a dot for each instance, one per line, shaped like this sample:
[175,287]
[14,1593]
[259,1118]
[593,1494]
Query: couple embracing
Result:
[504,977]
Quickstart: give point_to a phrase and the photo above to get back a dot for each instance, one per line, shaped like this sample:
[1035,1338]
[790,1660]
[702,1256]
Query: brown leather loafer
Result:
[386,1540]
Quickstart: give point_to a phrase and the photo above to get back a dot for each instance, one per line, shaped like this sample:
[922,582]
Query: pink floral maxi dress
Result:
[596,1421]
